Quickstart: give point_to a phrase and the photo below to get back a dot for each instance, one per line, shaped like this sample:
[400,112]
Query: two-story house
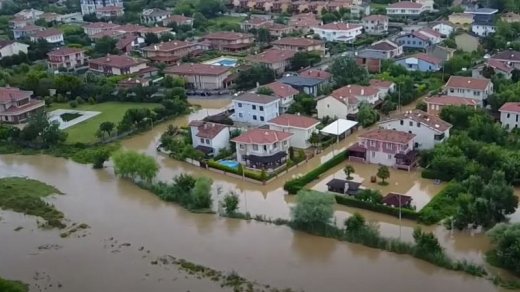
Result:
[406,9]
[385,87]
[209,138]
[303,22]
[386,147]
[51,35]
[26,31]
[109,12]
[444,28]
[483,21]
[375,24]
[229,41]
[308,85]
[16,105]
[421,62]
[178,20]
[93,28]
[476,88]
[338,32]
[10,48]
[345,101]
[372,56]
[300,45]
[284,92]
[255,23]
[169,52]
[67,58]
[154,15]
[262,148]
[201,76]
[301,127]
[420,39]
[508,57]
[274,59]
[255,109]
[429,130]
[435,104]
[90,6]
[464,19]
[510,115]
[117,65]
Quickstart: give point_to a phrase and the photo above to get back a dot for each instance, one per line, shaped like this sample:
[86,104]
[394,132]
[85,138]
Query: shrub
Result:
[230,203]
[351,202]
[73,104]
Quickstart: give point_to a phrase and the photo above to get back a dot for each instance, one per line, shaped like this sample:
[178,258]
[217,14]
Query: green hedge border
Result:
[352,202]
[247,173]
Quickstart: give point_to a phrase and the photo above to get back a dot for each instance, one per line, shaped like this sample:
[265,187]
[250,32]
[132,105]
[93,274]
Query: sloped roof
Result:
[262,136]
[295,121]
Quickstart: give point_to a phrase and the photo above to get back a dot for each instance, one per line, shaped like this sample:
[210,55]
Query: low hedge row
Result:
[247,173]
[295,185]
[352,202]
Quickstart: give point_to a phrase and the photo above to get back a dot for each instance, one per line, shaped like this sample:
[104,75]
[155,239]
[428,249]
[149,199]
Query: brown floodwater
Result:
[117,210]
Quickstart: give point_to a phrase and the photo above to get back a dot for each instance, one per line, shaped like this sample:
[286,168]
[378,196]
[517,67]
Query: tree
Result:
[426,244]
[100,156]
[355,223]
[370,196]
[135,166]
[387,107]
[313,210]
[506,240]
[345,71]
[264,90]
[230,204]
[263,35]
[367,116]
[209,8]
[107,127]
[199,21]
[303,104]
[349,169]
[304,60]
[151,38]
[249,78]
[105,45]
[315,139]
[38,50]
[201,193]
[383,173]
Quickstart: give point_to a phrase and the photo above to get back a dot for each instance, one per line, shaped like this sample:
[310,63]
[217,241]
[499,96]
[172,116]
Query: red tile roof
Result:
[295,121]
[376,17]
[421,36]
[430,31]
[297,42]
[355,90]
[405,4]
[384,45]
[386,135]
[424,118]
[207,130]
[197,69]
[227,35]
[381,83]
[256,98]
[468,82]
[262,136]
[508,55]
[5,43]
[101,25]
[428,58]
[178,19]
[110,8]
[498,65]
[281,90]
[339,26]
[451,100]
[65,51]
[47,33]
[7,94]
[169,46]
[272,56]
[117,61]
[513,107]
[316,74]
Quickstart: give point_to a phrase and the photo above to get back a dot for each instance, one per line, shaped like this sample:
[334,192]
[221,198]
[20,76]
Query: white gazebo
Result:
[340,127]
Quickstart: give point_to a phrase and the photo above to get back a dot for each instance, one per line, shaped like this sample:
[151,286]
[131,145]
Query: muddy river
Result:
[119,213]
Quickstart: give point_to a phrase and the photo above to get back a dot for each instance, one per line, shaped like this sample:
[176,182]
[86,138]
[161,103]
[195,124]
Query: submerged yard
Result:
[85,132]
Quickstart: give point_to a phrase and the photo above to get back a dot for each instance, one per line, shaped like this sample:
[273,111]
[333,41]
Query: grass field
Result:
[231,19]
[85,132]
[378,6]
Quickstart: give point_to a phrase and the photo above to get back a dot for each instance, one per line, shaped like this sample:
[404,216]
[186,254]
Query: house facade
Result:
[209,138]
[508,57]
[429,130]
[483,21]
[90,6]
[16,105]
[67,58]
[97,27]
[51,35]
[10,48]
[421,63]
[300,45]
[375,24]
[26,31]
[476,88]
[301,127]
[229,41]
[405,9]
[510,115]
[338,32]
[444,28]
[179,20]
[255,109]
[201,76]
[169,52]
[435,104]
[262,148]
[109,12]
[308,85]
[345,101]
[372,57]
[464,19]
[154,15]
[420,39]
[117,65]
[274,59]
[284,92]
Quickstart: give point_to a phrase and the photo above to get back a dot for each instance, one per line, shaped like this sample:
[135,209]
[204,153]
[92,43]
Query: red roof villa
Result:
[117,65]
[17,105]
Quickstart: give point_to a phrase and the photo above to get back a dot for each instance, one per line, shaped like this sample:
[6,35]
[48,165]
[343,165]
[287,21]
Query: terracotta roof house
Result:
[93,28]
[344,102]
[284,92]
[376,24]
[274,59]
[300,45]
[278,30]
[170,52]
[385,87]
[133,82]
[68,58]
[262,148]
[51,35]
[386,147]
[510,115]
[110,11]
[300,126]
[117,65]
[406,9]
[26,31]
[255,23]
[509,57]
[229,41]
[316,74]
[338,32]
[371,57]
[436,103]
[154,15]
[10,48]
[209,138]
[16,105]
[303,22]
[421,62]
[469,87]
[201,76]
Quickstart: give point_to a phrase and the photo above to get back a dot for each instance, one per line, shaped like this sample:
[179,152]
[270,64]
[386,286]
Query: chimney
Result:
[362,91]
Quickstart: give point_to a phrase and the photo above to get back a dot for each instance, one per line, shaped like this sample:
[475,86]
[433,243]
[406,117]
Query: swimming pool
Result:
[227,63]
[229,163]
[223,61]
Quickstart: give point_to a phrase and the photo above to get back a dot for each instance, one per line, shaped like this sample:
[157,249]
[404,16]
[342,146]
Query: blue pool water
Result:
[229,163]
[227,63]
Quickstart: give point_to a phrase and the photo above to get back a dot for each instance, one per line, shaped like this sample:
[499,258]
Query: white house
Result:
[209,138]
[385,87]
[345,101]
[483,21]
[338,32]
[375,24]
[469,87]
[429,130]
[154,15]
[406,8]
[51,35]
[510,115]
[262,148]
[10,48]
[284,92]
[301,127]
[444,28]
[255,109]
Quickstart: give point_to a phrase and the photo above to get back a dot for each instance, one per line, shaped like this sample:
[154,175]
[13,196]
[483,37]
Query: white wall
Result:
[335,35]
[376,157]
[424,135]
[271,149]
[300,137]
[13,49]
[510,120]
[219,142]
[245,113]
[330,106]
[470,93]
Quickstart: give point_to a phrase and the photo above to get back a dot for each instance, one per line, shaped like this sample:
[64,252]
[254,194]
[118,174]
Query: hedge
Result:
[295,185]
[247,173]
[441,206]
[352,202]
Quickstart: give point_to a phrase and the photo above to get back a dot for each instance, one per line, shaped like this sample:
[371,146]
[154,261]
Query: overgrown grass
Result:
[85,132]
[13,286]
[442,205]
[25,196]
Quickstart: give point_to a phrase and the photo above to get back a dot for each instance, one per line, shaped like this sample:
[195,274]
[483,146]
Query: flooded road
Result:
[117,210]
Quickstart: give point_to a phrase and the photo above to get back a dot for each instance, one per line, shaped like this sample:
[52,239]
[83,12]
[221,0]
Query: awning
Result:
[266,159]
[339,127]
[204,149]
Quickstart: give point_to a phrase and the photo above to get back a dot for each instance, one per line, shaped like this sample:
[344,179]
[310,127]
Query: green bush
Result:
[442,205]
[247,173]
[295,185]
[351,202]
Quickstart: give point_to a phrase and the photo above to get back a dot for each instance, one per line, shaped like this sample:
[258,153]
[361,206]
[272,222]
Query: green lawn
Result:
[85,132]
[378,6]
[231,19]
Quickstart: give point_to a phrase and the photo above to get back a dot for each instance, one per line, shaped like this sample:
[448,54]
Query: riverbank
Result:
[25,196]
[13,286]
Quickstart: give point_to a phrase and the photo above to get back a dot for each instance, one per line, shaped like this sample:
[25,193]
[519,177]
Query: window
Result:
[476,93]
[254,117]
[265,147]
[240,115]
[389,156]
[284,143]
[255,147]
[373,153]
[261,108]
[401,122]
[508,115]
[410,123]
[202,140]
[242,146]
[261,118]
[517,118]
[438,137]
[239,104]
[418,125]
[253,106]
[207,141]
